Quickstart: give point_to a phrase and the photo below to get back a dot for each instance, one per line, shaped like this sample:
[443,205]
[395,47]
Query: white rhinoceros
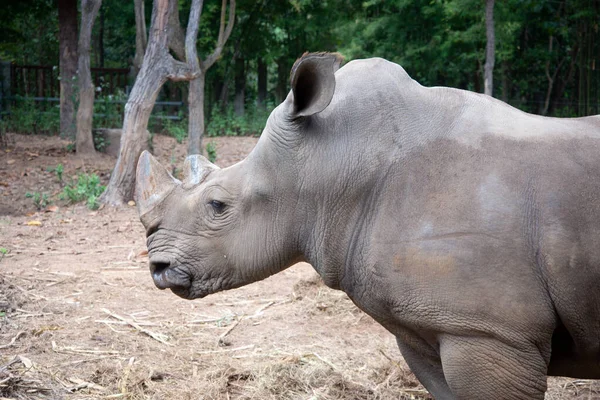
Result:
[467,228]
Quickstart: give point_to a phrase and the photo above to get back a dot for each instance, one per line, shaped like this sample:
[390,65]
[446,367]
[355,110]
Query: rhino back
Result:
[468,210]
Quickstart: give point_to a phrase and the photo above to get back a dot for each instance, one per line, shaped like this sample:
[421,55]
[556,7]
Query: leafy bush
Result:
[101,142]
[108,111]
[226,123]
[86,187]
[40,200]
[25,116]
[176,128]
[211,151]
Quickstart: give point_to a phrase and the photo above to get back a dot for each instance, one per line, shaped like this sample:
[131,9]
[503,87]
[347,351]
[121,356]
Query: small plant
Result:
[211,151]
[177,129]
[40,200]
[87,188]
[3,252]
[70,148]
[59,169]
[101,142]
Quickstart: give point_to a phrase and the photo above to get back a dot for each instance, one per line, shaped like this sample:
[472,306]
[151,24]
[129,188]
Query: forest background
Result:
[547,56]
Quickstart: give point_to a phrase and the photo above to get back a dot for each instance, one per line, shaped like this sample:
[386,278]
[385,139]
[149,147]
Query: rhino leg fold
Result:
[485,368]
[426,364]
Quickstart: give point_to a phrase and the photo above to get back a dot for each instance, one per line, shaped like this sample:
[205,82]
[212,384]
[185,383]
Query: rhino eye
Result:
[217,206]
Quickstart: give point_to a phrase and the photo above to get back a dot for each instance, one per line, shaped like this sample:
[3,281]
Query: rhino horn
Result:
[153,183]
[195,169]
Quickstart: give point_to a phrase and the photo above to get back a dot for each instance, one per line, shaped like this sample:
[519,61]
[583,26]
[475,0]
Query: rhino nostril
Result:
[158,267]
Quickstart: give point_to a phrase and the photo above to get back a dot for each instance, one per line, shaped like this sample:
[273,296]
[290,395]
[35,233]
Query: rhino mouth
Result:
[168,276]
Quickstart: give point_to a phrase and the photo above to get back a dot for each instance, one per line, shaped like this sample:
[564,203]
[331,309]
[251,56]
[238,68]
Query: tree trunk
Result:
[134,138]
[240,86]
[490,48]
[262,84]
[196,94]
[140,35]
[84,143]
[157,67]
[196,115]
[67,23]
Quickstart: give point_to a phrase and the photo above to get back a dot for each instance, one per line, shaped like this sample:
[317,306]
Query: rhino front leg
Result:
[485,368]
[426,364]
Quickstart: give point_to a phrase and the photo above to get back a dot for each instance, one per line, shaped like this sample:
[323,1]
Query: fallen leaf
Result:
[131,203]
[4,184]
[143,253]
[9,162]
[51,209]
[34,223]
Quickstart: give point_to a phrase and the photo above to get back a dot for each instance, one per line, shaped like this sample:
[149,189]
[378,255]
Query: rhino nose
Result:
[158,269]
[165,276]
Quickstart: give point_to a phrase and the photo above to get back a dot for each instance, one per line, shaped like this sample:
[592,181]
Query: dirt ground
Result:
[81,319]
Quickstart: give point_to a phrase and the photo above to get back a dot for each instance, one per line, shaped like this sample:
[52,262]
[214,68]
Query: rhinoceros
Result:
[469,229]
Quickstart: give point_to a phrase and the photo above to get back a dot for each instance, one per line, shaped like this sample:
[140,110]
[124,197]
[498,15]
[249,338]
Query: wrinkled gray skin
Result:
[467,228]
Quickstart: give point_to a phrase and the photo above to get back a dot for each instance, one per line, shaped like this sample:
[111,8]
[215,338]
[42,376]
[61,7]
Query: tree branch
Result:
[191,53]
[224,33]
[176,38]
[180,71]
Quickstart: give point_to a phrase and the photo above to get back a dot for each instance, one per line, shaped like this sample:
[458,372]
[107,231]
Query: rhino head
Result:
[219,228]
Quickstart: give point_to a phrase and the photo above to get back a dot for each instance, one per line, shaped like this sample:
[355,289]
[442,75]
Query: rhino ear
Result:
[313,82]
[153,183]
[195,169]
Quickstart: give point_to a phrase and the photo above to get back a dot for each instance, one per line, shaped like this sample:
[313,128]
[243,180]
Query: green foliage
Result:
[59,169]
[108,110]
[211,151]
[226,123]
[25,116]
[101,142]
[86,188]
[175,128]
[70,148]
[40,200]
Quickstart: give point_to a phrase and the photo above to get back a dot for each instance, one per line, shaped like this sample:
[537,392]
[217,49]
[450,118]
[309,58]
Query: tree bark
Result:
[84,142]
[140,35]
[196,101]
[157,67]
[196,115]
[262,84]
[176,35]
[490,48]
[67,23]
[153,74]
[240,86]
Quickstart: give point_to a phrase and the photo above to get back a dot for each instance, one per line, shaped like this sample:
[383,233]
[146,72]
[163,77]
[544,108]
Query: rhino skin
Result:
[467,228]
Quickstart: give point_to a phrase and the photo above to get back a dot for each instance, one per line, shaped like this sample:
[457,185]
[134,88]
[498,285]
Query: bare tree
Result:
[67,37]
[196,95]
[84,142]
[141,37]
[157,67]
[490,49]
